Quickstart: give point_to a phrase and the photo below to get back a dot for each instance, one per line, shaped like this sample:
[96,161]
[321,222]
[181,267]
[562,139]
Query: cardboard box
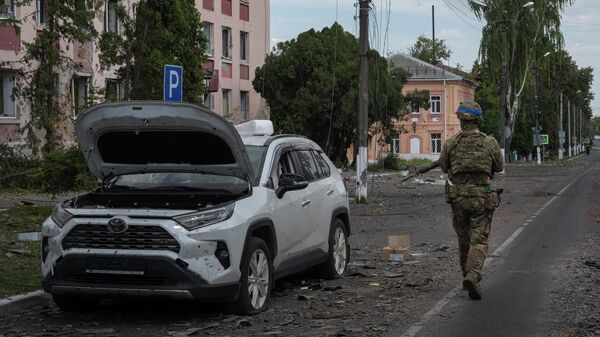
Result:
[398,249]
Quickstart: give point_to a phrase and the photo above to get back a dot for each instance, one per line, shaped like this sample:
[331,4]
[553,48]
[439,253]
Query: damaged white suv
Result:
[190,207]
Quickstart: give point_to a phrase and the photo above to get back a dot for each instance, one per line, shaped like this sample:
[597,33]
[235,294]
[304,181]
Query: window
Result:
[110,16]
[226,7]
[208,101]
[244,105]
[208,34]
[436,143]
[309,167]
[323,166]
[42,8]
[285,165]
[396,144]
[244,46]
[79,91]
[112,92]
[208,4]
[226,101]
[436,104]
[7,104]
[7,9]
[244,11]
[226,40]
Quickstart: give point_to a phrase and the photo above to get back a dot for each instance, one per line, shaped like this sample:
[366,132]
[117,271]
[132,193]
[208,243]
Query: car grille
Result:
[145,237]
[120,279]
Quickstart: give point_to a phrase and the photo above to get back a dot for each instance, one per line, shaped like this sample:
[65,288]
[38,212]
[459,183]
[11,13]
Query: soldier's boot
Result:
[471,284]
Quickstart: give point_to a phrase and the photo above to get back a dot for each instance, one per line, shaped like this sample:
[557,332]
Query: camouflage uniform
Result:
[470,159]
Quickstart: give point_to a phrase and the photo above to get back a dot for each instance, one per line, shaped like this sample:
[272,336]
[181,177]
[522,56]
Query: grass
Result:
[21,272]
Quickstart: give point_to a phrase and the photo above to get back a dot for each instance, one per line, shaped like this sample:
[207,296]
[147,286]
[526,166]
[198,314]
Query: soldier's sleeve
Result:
[445,156]
[498,161]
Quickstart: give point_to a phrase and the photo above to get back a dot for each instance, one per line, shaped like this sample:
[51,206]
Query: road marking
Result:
[416,327]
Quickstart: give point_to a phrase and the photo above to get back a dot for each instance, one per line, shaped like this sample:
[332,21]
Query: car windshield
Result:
[256,154]
[181,181]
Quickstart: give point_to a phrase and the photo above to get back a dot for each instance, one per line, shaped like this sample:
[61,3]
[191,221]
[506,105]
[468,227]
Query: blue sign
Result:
[173,83]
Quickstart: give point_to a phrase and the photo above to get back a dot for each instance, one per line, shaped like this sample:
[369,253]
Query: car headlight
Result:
[60,216]
[204,218]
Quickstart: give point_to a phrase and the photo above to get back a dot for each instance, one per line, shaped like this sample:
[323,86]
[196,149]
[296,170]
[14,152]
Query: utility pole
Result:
[569,127]
[580,131]
[433,32]
[503,89]
[363,105]
[561,133]
[536,111]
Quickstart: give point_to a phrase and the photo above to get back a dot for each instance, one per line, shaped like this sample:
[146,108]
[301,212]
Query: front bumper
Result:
[142,276]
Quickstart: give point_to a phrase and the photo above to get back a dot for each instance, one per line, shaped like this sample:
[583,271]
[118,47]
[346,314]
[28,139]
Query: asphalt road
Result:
[519,275]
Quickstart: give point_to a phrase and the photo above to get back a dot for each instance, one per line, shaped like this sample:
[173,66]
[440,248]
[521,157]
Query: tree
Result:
[163,32]
[530,32]
[66,20]
[306,98]
[596,126]
[425,50]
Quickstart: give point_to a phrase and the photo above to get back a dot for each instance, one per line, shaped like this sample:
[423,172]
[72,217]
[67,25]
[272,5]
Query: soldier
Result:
[470,159]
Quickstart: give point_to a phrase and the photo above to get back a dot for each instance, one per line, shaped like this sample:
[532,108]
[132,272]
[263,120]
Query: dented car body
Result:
[189,207]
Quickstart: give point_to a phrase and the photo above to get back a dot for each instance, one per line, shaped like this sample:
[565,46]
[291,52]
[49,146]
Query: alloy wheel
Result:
[340,251]
[258,279]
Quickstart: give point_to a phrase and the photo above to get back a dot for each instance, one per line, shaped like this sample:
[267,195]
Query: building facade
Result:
[238,35]
[423,132]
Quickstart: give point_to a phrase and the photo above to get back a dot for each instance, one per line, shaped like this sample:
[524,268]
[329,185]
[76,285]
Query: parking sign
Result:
[173,83]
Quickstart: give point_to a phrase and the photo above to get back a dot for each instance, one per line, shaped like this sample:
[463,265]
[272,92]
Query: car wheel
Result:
[76,304]
[339,251]
[257,278]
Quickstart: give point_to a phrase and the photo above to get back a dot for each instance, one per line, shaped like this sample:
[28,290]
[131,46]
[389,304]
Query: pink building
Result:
[238,40]
[423,132]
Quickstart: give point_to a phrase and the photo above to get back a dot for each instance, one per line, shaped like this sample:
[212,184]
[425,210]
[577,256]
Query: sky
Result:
[453,22]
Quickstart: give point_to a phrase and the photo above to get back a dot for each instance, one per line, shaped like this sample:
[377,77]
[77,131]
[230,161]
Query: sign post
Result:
[173,83]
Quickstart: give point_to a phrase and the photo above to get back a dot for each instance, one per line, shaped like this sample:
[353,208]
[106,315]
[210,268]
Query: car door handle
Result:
[305,203]
[330,192]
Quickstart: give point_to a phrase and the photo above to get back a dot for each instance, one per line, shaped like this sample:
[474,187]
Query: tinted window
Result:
[256,154]
[325,171]
[309,167]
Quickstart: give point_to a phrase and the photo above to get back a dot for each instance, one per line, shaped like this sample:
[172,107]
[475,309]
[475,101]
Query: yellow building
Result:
[422,133]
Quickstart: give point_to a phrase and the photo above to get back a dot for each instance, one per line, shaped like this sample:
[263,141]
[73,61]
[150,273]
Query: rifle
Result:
[423,169]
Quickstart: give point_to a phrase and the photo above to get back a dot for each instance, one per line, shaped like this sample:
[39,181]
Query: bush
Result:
[15,168]
[60,171]
[391,163]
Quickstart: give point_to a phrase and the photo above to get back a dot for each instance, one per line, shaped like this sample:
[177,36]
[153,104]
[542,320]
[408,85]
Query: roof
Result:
[422,71]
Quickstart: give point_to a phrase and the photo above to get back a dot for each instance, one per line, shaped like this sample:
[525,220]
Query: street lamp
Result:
[529,4]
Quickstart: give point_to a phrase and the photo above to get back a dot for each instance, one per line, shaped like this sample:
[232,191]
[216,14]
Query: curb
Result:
[21,302]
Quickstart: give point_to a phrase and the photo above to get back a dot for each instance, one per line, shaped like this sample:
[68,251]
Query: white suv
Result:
[190,207]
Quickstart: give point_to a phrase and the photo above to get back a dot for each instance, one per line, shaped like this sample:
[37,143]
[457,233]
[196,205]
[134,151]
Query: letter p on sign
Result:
[173,83]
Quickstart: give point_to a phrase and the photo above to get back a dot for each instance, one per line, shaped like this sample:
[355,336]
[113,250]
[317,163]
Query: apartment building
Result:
[238,40]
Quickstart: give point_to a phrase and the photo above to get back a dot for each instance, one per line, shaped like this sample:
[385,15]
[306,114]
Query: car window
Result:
[325,170]
[284,165]
[309,166]
[256,155]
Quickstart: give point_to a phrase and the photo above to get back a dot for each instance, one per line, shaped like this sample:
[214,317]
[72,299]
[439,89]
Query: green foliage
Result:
[62,170]
[15,168]
[418,99]
[166,32]
[425,50]
[66,20]
[297,81]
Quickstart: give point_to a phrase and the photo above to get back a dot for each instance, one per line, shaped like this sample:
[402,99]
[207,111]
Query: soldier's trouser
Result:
[472,221]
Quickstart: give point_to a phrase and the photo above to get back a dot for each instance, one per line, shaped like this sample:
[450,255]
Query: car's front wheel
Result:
[339,251]
[257,278]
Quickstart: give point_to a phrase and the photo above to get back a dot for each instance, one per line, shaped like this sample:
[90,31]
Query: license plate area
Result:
[115,266]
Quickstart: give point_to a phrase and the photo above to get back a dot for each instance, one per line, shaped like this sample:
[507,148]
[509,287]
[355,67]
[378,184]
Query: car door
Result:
[314,200]
[290,212]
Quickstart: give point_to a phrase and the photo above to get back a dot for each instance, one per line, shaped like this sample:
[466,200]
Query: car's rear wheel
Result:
[257,278]
[76,303]
[339,251]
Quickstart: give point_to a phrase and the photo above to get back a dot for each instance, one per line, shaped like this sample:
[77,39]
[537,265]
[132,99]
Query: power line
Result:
[460,17]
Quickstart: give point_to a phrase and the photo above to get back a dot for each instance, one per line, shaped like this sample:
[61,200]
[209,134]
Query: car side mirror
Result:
[290,182]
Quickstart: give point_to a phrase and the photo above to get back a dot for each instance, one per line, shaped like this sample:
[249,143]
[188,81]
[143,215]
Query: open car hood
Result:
[138,137]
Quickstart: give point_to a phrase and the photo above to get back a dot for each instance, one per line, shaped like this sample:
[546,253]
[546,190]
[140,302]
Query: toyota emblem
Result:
[116,225]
